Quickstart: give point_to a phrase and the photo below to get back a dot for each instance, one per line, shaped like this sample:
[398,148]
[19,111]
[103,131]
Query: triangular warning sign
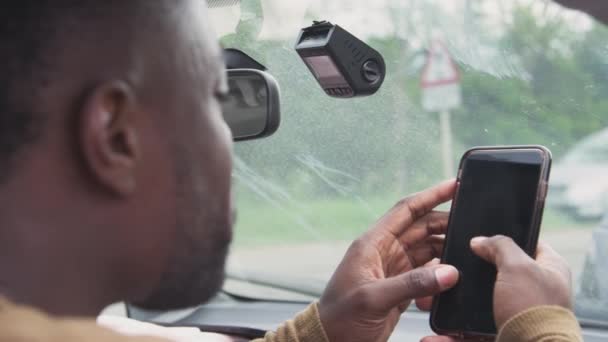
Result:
[439,68]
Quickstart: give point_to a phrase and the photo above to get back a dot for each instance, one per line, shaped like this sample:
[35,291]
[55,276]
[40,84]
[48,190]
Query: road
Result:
[318,260]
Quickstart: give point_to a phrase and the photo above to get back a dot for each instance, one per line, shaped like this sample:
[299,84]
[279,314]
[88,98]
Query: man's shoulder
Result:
[20,323]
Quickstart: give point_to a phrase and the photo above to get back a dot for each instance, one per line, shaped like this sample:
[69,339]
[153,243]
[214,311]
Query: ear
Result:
[109,136]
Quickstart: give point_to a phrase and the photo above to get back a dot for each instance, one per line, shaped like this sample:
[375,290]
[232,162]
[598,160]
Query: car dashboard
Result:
[251,318]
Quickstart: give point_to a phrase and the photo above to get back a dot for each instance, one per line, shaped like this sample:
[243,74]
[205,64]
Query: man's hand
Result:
[522,282]
[384,270]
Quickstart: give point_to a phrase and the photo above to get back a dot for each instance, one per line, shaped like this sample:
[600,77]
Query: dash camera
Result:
[343,65]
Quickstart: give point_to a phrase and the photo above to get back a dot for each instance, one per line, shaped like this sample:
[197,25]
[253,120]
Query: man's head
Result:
[114,157]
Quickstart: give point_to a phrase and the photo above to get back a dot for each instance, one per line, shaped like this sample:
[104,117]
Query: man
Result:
[116,186]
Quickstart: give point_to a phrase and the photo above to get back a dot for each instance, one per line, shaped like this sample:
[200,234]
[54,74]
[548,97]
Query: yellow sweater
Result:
[22,324]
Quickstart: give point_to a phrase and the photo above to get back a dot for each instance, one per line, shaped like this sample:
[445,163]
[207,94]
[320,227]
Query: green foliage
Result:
[562,101]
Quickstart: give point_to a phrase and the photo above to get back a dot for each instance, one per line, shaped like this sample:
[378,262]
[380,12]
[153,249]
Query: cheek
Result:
[220,166]
[218,147]
[224,153]
[157,196]
[150,232]
[213,160]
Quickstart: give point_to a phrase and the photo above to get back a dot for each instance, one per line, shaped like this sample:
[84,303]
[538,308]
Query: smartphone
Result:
[500,190]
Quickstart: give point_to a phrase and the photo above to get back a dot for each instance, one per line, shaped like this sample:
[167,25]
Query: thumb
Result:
[498,250]
[421,282]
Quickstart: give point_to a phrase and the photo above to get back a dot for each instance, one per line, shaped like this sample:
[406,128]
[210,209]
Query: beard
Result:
[195,272]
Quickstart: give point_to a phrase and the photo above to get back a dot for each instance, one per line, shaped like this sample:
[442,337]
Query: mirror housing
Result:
[252,107]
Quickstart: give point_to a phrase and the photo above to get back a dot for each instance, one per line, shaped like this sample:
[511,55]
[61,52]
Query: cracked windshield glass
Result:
[519,73]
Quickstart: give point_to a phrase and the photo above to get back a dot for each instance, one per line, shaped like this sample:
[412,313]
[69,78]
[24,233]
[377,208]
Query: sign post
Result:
[440,83]
[446,143]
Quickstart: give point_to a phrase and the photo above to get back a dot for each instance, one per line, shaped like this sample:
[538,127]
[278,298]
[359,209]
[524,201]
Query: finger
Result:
[426,250]
[446,339]
[433,262]
[412,208]
[546,253]
[548,257]
[498,250]
[424,281]
[433,223]
[419,255]
[426,303]
[438,339]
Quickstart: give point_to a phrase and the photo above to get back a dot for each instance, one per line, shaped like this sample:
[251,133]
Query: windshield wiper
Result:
[593,324]
[300,285]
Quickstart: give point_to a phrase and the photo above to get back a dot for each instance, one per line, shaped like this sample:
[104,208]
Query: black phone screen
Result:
[496,195]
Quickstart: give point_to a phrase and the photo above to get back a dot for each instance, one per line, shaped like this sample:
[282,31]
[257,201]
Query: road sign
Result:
[440,81]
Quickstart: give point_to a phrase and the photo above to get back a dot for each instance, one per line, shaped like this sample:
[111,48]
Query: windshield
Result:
[530,72]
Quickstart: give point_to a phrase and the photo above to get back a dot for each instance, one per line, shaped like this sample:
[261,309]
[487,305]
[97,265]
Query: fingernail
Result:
[446,276]
[478,240]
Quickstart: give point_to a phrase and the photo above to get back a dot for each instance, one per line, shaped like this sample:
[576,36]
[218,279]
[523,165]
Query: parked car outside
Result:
[579,186]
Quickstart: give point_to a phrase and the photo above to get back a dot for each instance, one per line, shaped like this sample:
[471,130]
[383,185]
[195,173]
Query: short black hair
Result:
[24,35]
[31,36]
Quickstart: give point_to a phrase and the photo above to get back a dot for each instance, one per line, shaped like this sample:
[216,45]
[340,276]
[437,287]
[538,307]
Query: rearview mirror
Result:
[252,108]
